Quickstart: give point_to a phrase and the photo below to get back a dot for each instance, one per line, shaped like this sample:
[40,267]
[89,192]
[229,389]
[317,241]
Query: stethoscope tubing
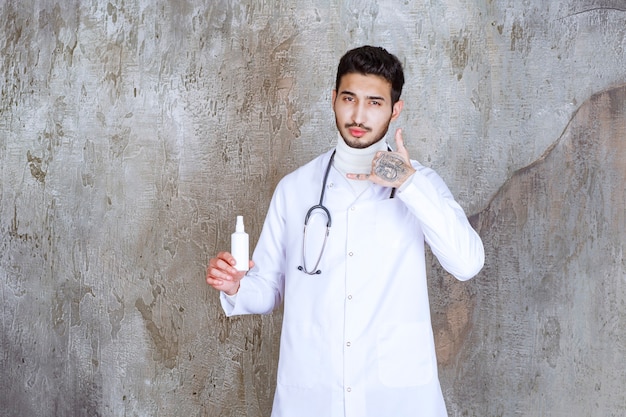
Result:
[320,206]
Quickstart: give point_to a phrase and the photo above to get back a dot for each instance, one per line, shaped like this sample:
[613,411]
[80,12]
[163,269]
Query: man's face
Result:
[363,109]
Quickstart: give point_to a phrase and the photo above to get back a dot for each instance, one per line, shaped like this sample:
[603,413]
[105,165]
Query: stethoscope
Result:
[320,206]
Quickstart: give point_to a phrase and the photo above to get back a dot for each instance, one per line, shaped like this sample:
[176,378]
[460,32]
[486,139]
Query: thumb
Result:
[398,137]
[400,143]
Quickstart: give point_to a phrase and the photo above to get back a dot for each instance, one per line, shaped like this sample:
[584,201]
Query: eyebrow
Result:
[350,93]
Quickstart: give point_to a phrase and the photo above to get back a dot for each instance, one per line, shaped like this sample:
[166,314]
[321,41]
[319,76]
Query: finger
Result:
[221,271]
[399,139]
[226,257]
[401,149]
[223,286]
[225,263]
[227,266]
[400,142]
[360,177]
[215,283]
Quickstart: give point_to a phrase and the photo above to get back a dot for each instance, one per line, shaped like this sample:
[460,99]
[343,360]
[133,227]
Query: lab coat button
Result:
[350,253]
[350,297]
[348,344]
[349,389]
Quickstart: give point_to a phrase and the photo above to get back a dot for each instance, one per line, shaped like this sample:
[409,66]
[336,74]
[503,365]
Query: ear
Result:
[397,109]
[334,97]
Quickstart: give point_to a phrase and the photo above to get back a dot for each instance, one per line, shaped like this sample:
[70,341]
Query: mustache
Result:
[359,125]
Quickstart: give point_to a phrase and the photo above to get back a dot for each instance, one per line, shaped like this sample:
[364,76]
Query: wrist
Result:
[232,291]
[406,180]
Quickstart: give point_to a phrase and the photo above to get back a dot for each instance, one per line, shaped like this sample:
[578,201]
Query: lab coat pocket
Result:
[300,356]
[405,357]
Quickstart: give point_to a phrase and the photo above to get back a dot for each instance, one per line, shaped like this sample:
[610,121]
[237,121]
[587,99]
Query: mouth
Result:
[357,131]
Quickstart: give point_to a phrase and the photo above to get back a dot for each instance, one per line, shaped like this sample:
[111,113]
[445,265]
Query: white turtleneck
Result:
[356,161]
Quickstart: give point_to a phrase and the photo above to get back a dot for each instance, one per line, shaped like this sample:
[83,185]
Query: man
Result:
[356,338]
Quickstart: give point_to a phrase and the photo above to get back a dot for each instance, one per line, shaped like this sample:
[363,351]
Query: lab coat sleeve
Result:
[446,229]
[262,288]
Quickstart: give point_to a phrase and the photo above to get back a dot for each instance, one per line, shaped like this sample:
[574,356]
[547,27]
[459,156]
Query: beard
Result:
[357,143]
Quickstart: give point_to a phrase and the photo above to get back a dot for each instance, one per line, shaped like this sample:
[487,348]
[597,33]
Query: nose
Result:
[358,114]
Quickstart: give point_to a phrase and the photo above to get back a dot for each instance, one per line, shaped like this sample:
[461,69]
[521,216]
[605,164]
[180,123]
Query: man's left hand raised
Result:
[389,169]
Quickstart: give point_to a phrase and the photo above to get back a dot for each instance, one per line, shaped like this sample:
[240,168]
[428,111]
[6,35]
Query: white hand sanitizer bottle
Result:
[239,246]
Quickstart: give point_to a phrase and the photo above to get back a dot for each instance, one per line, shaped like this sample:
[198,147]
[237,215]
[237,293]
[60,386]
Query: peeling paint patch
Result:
[164,335]
[34,163]
[550,336]
[519,38]
[460,54]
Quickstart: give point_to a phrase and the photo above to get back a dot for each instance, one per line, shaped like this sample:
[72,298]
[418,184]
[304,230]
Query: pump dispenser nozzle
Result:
[239,227]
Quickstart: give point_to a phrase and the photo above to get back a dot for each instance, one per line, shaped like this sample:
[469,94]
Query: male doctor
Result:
[356,339]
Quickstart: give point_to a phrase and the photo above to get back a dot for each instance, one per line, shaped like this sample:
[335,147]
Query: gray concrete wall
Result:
[133,132]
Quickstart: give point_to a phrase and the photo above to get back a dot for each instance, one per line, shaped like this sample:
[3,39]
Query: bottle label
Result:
[239,250]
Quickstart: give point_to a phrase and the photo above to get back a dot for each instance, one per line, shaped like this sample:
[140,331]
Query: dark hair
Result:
[373,60]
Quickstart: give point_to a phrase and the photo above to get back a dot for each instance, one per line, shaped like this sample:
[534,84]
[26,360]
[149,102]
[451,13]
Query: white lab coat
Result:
[357,339]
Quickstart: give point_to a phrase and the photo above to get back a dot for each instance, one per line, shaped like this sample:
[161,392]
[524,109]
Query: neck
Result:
[356,161]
